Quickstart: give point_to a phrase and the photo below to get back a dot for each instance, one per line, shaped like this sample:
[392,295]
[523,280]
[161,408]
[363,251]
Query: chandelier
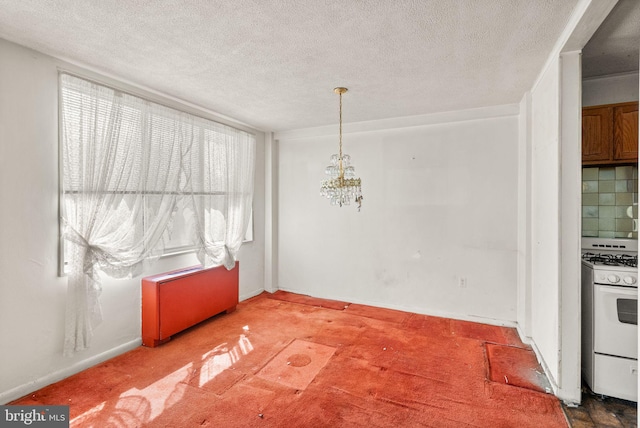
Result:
[343,185]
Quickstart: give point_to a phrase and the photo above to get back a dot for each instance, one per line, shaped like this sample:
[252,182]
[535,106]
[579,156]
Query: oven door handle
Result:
[618,290]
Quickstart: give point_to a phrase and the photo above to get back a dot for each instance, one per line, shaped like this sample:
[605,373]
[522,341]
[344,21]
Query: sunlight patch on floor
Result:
[88,414]
[140,406]
[221,358]
[158,396]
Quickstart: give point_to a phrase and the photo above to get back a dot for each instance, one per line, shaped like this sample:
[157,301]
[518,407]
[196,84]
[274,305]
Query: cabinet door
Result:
[597,135]
[625,132]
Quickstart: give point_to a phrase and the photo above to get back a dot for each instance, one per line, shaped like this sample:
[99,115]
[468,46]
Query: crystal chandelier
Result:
[343,186]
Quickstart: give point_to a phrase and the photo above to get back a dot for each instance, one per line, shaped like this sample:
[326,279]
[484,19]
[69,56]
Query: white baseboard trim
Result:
[27,388]
[416,310]
[251,294]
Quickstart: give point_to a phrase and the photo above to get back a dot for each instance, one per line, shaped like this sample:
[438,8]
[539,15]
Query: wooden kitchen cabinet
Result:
[625,132]
[610,134]
[597,134]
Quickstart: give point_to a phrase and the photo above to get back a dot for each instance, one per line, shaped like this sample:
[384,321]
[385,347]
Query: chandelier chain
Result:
[340,158]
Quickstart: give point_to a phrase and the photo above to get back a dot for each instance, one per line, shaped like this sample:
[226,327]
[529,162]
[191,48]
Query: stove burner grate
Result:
[611,259]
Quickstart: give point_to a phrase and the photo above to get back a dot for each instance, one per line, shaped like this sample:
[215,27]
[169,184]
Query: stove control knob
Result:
[629,280]
[613,279]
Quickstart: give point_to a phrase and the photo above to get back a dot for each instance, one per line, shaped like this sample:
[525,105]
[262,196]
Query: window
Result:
[139,179]
[157,180]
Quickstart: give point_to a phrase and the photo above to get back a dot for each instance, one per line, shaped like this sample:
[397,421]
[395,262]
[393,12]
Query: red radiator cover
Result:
[174,301]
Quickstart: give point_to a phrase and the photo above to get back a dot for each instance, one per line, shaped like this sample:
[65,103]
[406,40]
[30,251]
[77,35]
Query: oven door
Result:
[616,320]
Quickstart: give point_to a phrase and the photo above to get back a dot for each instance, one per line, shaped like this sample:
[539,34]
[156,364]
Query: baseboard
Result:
[415,310]
[27,388]
[251,294]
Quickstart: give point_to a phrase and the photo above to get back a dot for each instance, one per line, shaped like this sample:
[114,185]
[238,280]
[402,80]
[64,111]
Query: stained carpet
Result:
[513,365]
[297,364]
[286,360]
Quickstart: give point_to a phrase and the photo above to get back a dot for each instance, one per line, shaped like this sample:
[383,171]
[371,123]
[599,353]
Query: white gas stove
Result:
[610,316]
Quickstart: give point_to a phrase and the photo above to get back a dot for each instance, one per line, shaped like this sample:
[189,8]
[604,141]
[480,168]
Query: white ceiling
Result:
[273,64]
[615,46]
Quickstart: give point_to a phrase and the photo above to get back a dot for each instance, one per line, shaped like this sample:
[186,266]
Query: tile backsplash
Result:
[610,202]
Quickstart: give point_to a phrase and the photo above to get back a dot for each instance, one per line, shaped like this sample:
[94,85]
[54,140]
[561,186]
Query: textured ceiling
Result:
[615,46]
[274,64]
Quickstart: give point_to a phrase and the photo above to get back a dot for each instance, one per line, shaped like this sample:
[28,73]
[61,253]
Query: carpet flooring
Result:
[285,360]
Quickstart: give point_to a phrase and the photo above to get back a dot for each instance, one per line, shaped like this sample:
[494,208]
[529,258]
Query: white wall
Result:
[612,89]
[555,213]
[550,214]
[570,313]
[270,213]
[440,201]
[545,206]
[524,218]
[32,296]
[552,207]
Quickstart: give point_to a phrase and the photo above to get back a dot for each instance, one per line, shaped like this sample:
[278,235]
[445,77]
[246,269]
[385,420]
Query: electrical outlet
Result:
[462,281]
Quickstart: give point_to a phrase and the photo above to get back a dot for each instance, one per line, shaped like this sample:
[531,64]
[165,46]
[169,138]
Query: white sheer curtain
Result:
[219,194]
[126,162]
